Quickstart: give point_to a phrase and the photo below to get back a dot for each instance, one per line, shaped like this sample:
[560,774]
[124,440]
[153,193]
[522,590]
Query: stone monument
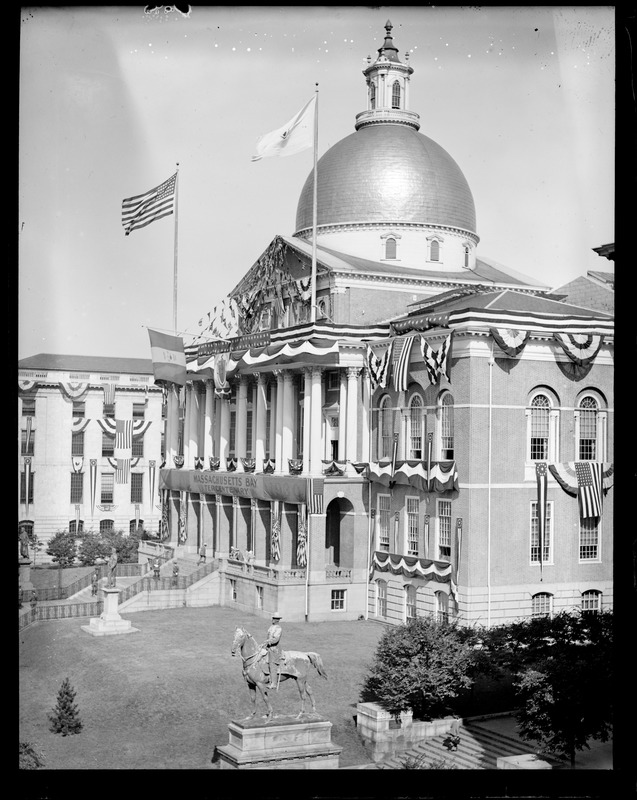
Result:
[109,622]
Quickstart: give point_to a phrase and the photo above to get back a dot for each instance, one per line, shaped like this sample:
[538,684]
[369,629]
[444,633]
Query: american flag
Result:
[402,352]
[315,487]
[589,488]
[123,444]
[141,210]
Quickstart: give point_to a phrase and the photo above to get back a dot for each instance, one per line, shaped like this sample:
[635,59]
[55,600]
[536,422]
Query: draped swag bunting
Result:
[79,424]
[589,481]
[73,390]
[442,477]
[580,348]
[411,567]
[510,340]
[109,426]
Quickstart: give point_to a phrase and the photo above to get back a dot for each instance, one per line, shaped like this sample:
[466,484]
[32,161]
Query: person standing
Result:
[274,634]
[95,578]
[202,554]
[175,574]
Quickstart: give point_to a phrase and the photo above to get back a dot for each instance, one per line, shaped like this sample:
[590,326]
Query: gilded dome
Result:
[387,173]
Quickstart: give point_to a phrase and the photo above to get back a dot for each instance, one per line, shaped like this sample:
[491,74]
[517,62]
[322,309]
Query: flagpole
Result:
[314,210]
[175,251]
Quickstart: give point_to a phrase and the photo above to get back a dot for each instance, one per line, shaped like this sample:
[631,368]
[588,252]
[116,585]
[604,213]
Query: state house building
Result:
[379,457]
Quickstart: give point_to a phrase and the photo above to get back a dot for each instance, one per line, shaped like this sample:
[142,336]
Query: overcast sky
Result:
[112,98]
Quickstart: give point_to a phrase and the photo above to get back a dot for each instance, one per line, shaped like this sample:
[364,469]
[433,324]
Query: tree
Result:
[62,548]
[94,546]
[419,666]
[565,683]
[64,717]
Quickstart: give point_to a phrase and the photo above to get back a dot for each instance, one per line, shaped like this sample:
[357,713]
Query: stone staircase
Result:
[479,748]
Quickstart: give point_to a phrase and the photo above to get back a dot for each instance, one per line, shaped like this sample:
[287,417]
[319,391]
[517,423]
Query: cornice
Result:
[306,233]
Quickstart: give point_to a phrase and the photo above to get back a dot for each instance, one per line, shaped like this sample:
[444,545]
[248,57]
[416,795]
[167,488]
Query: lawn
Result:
[162,698]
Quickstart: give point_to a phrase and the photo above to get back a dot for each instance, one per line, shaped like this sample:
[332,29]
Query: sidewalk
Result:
[599,756]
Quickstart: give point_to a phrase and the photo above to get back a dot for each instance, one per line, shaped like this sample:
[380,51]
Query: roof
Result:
[141,366]
[606,250]
[594,290]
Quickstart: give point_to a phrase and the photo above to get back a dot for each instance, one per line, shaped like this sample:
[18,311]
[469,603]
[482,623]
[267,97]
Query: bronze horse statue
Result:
[294,664]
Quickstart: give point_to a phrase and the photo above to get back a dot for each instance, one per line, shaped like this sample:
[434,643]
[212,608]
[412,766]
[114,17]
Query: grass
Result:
[162,698]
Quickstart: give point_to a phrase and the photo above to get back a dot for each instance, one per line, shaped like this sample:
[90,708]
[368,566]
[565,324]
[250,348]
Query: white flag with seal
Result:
[292,138]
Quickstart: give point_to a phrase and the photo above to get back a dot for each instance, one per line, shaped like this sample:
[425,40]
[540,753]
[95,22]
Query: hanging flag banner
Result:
[123,445]
[402,353]
[142,209]
[109,394]
[169,359]
[152,478]
[589,485]
[275,533]
[437,362]
[542,479]
[565,474]
[294,137]
[315,490]
[27,484]
[77,462]
[378,365]
[510,340]
[182,533]
[301,544]
[580,348]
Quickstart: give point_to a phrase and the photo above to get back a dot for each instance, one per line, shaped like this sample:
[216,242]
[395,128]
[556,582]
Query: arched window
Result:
[410,602]
[591,602]
[106,525]
[395,95]
[542,604]
[417,428]
[390,247]
[587,438]
[134,524]
[434,250]
[540,427]
[381,598]
[76,526]
[442,606]
[446,427]
[466,257]
[372,95]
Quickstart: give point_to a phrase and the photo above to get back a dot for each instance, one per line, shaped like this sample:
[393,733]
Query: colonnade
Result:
[207,420]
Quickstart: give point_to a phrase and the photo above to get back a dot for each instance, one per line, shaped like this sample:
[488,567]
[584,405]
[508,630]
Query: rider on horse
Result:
[272,646]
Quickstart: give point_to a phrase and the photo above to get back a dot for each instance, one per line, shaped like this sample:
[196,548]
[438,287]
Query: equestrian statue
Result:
[261,660]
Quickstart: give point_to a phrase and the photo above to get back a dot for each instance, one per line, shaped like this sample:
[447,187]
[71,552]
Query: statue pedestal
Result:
[24,566]
[282,743]
[109,622]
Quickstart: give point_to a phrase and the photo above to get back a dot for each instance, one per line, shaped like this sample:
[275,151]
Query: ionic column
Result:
[352,412]
[342,415]
[241,421]
[188,464]
[365,421]
[172,424]
[260,424]
[287,427]
[278,441]
[307,410]
[316,423]
[224,432]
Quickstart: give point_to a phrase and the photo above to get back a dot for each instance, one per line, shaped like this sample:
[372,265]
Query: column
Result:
[224,433]
[216,435]
[260,425]
[188,464]
[287,426]
[273,406]
[278,441]
[342,415]
[241,421]
[365,420]
[316,423]
[208,434]
[352,414]
[172,424]
[307,411]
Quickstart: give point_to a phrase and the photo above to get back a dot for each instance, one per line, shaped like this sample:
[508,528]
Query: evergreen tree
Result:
[64,718]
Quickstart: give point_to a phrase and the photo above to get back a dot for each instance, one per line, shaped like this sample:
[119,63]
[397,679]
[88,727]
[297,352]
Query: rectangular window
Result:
[77,444]
[109,411]
[79,409]
[108,445]
[137,487]
[249,432]
[259,596]
[412,511]
[333,381]
[28,406]
[384,515]
[27,443]
[232,438]
[338,600]
[107,487]
[77,487]
[542,605]
[137,447]
[591,602]
[547,544]
[139,411]
[23,487]
[381,599]
[410,602]
[233,590]
[444,529]
[589,539]
[587,434]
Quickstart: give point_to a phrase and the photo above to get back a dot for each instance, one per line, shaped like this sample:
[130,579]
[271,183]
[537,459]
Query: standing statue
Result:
[24,543]
[112,567]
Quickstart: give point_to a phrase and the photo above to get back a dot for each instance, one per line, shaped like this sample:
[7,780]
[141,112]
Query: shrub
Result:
[29,756]
[62,548]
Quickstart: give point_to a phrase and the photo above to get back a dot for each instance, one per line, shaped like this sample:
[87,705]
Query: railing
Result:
[338,573]
[266,572]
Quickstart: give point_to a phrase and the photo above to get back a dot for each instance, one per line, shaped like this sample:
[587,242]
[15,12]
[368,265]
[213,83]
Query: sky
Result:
[113,98]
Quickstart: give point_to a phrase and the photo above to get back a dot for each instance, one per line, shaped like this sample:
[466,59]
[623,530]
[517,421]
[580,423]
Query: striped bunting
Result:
[73,390]
[122,453]
[510,340]
[436,361]
[566,475]
[580,348]
[535,322]
[411,567]
[378,366]
[442,477]
[315,489]
[402,353]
